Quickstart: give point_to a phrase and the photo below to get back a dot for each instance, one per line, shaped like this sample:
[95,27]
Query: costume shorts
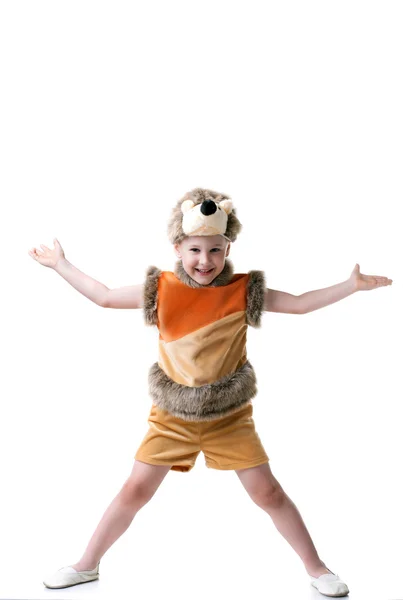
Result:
[229,442]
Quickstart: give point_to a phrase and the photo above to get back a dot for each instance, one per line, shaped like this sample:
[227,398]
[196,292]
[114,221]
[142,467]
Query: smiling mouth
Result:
[205,272]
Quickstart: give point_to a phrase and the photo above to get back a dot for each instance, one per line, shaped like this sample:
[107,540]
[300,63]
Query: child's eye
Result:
[212,250]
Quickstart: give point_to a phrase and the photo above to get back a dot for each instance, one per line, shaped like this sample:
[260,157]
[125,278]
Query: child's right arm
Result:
[125,297]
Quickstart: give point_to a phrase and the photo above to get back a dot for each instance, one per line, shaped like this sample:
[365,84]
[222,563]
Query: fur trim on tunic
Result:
[222,279]
[175,232]
[150,296]
[255,298]
[206,402]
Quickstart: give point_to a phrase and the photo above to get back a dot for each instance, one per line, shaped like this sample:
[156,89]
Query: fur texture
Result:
[255,298]
[197,195]
[222,279]
[206,402]
[150,295]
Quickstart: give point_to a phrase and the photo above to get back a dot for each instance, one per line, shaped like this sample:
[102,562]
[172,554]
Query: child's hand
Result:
[367,282]
[48,257]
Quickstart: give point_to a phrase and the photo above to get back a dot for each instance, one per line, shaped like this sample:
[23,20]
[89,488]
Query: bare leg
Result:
[268,494]
[135,493]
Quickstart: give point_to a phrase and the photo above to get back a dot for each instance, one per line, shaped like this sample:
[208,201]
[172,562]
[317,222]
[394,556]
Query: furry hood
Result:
[188,215]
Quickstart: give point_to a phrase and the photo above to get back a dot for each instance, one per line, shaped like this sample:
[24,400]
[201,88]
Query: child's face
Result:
[203,252]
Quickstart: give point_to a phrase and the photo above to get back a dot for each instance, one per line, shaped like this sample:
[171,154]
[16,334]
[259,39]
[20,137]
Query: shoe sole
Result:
[58,587]
[332,595]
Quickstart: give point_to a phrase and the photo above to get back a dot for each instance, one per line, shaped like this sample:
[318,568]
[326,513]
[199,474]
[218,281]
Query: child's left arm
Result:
[281,302]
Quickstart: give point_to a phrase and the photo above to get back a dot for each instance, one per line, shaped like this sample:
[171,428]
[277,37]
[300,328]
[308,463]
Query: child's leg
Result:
[139,488]
[268,494]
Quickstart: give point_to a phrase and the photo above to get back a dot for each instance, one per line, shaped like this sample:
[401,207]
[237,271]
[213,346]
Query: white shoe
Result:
[330,584]
[68,576]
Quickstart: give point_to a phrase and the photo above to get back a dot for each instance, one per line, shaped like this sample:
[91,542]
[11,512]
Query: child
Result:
[203,384]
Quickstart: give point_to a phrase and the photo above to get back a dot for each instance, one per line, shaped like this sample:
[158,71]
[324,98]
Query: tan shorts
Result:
[230,442]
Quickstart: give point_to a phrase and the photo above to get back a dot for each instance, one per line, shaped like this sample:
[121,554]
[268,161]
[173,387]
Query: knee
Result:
[135,492]
[271,496]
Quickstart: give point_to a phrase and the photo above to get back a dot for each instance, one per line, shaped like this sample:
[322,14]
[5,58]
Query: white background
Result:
[110,112]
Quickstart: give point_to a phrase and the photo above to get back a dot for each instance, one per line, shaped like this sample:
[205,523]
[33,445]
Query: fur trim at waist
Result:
[206,402]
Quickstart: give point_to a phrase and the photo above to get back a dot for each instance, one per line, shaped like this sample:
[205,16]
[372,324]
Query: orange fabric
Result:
[207,354]
[182,309]
[230,442]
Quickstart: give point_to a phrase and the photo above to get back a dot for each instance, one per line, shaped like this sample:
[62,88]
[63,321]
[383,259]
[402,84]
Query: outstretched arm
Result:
[130,296]
[276,301]
[126,297]
[356,282]
[281,302]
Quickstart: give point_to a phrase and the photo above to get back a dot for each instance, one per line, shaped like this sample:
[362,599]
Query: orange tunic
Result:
[202,370]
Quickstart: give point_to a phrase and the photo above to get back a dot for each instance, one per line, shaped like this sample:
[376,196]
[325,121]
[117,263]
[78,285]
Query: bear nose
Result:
[208,207]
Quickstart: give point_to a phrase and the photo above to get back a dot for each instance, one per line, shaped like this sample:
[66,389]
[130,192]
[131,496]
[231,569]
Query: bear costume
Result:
[202,372]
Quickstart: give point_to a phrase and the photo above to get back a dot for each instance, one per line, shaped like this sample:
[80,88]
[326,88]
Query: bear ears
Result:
[203,212]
